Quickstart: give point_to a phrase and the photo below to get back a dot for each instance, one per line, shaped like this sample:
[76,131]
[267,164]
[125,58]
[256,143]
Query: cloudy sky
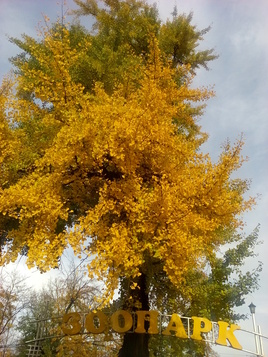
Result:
[240,78]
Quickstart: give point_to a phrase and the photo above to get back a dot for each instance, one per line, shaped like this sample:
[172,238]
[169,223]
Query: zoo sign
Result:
[148,322]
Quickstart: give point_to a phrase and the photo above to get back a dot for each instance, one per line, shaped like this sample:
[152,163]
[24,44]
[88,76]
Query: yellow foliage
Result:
[110,174]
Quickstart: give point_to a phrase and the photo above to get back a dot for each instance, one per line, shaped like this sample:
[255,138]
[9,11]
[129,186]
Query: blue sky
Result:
[240,78]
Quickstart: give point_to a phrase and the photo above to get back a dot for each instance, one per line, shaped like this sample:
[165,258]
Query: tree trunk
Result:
[137,344]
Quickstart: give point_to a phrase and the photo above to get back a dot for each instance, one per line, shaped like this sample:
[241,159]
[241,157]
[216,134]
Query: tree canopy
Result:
[116,169]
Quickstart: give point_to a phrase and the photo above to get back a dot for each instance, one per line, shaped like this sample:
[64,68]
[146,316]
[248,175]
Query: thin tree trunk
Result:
[137,344]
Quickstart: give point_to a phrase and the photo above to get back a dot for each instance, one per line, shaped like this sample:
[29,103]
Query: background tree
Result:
[106,136]
[224,283]
[71,291]
[13,300]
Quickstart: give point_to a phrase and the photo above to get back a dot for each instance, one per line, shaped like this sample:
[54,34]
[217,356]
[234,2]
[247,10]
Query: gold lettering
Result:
[72,319]
[228,334]
[121,322]
[151,317]
[96,322]
[115,320]
[175,325]
[201,324]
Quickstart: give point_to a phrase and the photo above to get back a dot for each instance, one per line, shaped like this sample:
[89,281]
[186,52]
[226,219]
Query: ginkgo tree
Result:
[113,169]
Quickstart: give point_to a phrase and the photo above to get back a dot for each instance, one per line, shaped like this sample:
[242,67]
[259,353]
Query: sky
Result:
[240,78]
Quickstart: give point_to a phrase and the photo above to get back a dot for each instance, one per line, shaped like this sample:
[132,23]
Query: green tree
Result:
[178,40]
[13,300]
[42,316]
